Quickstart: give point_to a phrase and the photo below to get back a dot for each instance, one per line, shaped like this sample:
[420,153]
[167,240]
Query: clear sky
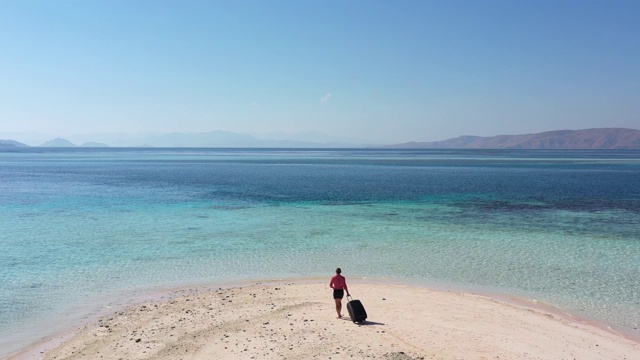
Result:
[374,71]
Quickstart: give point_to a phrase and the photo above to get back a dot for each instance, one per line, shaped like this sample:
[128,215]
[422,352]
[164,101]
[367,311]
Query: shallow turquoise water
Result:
[79,225]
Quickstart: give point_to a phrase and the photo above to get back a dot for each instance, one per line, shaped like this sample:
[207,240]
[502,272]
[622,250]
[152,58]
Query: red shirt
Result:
[338,282]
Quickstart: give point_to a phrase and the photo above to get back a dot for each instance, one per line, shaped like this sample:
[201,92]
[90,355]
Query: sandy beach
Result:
[297,320]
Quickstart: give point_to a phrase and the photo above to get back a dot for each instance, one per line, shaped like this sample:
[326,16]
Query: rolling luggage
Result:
[356,310]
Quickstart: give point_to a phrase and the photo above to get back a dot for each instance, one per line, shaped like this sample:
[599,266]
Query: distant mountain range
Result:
[58,142]
[212,139]
[603,138]
[230,139]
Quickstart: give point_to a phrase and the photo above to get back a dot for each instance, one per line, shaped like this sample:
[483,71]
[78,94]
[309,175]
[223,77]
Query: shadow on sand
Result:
[365,323]
[369,323]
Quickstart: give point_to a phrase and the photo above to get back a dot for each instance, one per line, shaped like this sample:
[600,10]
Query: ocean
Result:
[80,226]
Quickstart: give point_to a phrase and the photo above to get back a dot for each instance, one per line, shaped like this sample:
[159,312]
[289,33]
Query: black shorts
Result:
[338,294]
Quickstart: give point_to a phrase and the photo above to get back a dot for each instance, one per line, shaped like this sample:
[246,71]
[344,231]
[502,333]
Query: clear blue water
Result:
[79,225]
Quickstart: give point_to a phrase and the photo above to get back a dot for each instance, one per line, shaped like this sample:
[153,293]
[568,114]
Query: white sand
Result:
[284,320]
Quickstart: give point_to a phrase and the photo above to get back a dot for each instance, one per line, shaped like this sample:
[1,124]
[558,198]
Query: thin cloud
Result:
[326,98]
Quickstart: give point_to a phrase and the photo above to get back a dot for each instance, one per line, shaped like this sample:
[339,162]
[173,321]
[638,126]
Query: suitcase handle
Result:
[349,297]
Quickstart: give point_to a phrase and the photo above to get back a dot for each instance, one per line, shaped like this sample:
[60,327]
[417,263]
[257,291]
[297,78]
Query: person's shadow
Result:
[346,318]
[368,323]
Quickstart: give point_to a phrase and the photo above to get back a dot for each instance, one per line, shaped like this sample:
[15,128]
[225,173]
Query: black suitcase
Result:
[356,310]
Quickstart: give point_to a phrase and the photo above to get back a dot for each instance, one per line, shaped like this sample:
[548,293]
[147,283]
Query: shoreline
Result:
[312,288]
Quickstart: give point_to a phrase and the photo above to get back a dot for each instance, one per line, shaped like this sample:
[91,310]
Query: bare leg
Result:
[339,307]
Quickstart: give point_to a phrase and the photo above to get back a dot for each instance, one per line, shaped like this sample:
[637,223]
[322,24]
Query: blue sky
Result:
[370,71]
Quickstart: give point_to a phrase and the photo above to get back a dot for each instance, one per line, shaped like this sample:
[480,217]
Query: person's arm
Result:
[331,283]
[346,288]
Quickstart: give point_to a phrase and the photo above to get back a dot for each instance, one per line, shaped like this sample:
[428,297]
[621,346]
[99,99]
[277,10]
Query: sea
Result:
[82,226]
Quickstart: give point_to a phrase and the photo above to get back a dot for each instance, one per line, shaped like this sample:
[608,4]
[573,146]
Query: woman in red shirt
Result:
[339,285]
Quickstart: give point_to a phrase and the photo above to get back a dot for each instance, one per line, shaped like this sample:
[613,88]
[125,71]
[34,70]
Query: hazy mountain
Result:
[208,139]
[307,136]
[12,143]
[224,139]
[604,138]
[94,144]
[30,138]
[212,139]
[112,139]
[58,142]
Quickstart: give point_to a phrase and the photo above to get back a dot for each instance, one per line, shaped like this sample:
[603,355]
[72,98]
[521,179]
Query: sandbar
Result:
[284,319]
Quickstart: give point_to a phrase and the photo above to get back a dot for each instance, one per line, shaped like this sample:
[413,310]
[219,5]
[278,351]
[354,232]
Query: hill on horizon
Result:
[12,143]
[94,144]
[58,142]
[600,138]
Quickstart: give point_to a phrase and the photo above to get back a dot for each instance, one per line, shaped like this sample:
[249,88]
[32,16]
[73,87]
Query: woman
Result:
[339,285]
